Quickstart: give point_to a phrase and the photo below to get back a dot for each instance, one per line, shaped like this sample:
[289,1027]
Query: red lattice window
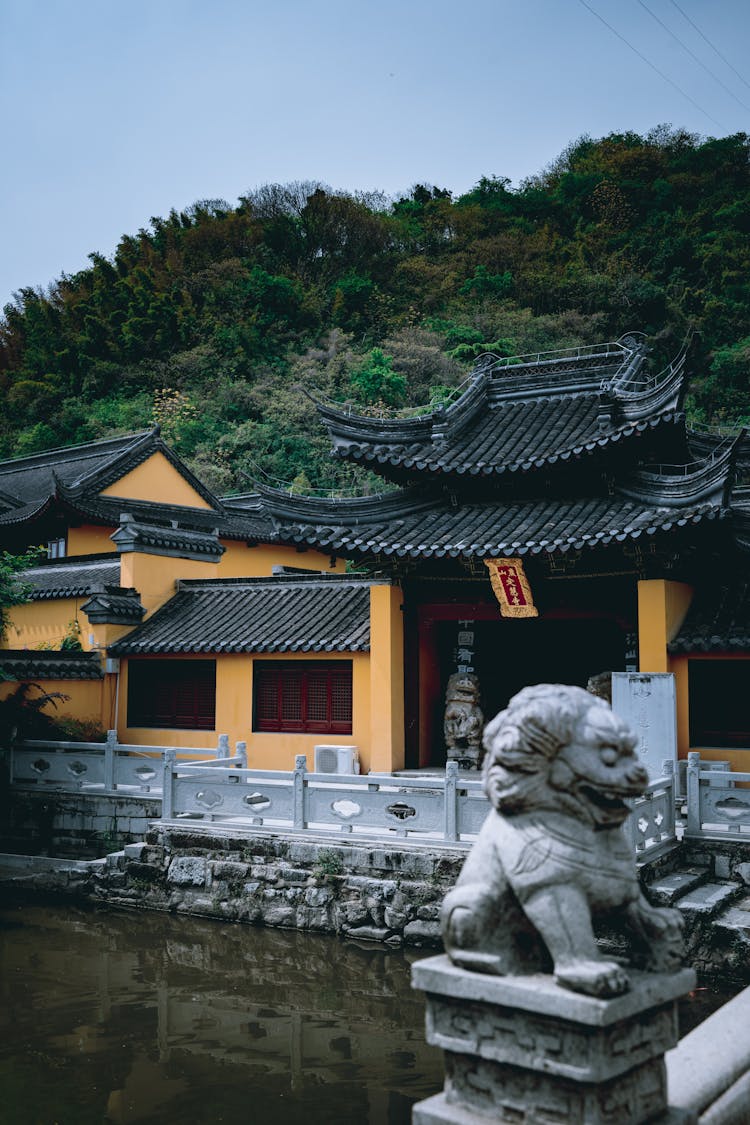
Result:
[177,694]
[312,696]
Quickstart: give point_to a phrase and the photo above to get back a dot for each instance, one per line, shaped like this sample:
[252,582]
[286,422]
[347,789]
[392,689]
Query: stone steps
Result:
[716,912]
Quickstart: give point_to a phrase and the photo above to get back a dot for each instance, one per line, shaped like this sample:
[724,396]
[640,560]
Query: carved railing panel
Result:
[651,825]
[718,801]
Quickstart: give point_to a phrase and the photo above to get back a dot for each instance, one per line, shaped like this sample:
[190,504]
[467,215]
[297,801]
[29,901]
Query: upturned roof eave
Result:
[408,465]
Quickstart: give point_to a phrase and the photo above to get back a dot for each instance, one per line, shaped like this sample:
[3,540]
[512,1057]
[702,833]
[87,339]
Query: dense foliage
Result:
[214,319]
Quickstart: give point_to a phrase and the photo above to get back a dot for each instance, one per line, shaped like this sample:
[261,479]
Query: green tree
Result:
[375,381]
[13,589]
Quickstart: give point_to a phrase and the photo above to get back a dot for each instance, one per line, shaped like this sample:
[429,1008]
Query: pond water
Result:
[156,1018]
[119,1017]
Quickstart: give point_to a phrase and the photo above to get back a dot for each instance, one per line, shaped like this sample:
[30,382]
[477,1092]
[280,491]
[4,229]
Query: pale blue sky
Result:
[117,110]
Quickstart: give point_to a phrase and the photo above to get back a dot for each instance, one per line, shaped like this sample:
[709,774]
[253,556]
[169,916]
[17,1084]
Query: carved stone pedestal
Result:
[523,1050]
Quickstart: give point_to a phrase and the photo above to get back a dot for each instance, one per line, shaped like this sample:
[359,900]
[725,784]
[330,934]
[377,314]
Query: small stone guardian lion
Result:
[463,721]
[559,769]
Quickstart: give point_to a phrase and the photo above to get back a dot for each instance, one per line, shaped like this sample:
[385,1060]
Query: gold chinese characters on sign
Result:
[511,587]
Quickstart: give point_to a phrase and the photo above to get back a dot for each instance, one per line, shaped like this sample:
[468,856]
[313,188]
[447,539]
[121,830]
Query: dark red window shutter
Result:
[303,696]
[179,694]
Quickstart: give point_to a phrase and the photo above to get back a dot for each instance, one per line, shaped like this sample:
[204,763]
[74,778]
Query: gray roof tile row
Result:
[72,578]
[321,613]
[487,528]
[28,664]
[718,621]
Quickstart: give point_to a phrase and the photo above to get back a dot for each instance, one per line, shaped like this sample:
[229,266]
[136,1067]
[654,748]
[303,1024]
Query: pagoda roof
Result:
[422,522]
[304,613]
[520,414]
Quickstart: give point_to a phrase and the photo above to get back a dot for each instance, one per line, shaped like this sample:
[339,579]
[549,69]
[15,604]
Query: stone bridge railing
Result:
[448,807]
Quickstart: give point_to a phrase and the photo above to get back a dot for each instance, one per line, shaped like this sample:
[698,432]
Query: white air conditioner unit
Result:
[336,759]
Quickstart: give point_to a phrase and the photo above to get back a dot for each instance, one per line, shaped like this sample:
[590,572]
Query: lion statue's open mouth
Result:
[560,772]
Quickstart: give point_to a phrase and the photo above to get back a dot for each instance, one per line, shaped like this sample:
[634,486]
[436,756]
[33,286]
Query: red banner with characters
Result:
[511,587]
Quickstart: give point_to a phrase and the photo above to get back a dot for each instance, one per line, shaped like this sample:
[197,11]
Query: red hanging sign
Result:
[511,587]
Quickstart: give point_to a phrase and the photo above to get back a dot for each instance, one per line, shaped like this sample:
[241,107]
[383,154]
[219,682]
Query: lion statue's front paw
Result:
[595,978]
[662,929]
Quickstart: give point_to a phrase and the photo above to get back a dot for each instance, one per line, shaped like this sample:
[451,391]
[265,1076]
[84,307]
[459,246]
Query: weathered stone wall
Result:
[390,892]
[74,824]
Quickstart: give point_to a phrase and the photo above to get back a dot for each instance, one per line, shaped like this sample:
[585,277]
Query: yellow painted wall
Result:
[158,481]
[738,759]
[88,698]
[386,678]
[234,711]
[45,623]
[662,606]
[241,561]
[154,576]
[89,540]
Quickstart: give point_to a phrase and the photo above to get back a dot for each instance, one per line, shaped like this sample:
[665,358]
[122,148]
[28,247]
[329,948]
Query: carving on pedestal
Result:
[464,721]
[559,770]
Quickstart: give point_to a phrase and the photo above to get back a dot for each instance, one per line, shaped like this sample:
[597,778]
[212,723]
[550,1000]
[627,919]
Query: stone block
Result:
[422,933]
[396,919]
[318,896]
[295,876]
[665,891]
[368,933]
[524,1049]
[708,899]
[278,914]
[227,870]
[187,871]
[742,871]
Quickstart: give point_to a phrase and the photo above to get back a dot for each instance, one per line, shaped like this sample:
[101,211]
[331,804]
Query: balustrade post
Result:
[110,748]
[222,750]
[241,753]
[667,769]
[300,769]
[450,797]
[693,794]
[167,784]
[630,828]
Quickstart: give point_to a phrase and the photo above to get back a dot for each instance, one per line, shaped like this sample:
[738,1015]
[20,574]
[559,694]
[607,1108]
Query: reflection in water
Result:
[156,1018]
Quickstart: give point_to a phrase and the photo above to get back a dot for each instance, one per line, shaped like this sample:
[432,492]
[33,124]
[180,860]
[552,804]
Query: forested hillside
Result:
[214,319]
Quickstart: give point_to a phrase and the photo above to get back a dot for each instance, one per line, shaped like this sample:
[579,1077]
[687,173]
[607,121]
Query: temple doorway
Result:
[506,655]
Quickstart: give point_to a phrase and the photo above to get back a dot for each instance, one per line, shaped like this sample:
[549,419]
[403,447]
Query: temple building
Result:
[556,521]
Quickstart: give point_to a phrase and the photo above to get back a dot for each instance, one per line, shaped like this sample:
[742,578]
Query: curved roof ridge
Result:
[65,452]
[710,480]
[314,508]
[663,392]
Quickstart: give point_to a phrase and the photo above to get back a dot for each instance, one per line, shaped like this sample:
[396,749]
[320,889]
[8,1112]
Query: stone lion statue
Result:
[559,770]
[463,721]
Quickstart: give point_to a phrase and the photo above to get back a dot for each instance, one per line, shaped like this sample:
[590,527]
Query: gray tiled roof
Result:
[33,477]
[114,605]
[174,541]
[74,577]
[519,416]
[321,613]
[420,525]
[81,472]
[26,664]
[718,620]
